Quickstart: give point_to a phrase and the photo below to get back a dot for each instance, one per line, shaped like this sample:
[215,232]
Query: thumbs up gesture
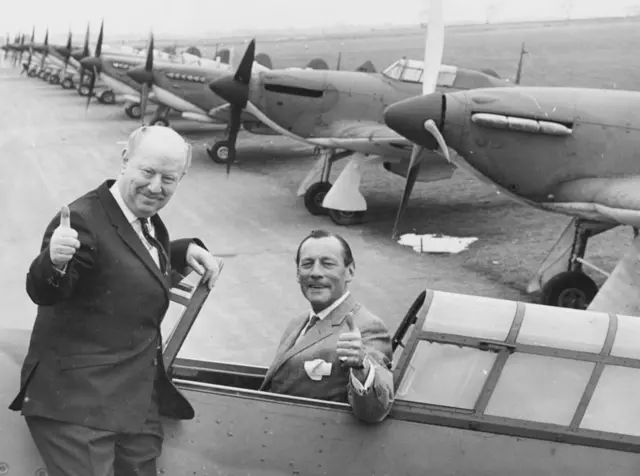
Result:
[64,241]
[350,348]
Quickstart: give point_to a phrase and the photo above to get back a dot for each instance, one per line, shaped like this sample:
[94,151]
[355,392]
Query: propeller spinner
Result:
[235,90]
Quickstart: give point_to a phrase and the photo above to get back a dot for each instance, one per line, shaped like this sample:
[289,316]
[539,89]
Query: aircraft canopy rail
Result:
[411,71]
[523,369]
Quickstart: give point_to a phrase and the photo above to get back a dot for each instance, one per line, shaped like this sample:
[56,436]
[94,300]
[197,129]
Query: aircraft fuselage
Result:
[184,87]
[311,103]
[601,133]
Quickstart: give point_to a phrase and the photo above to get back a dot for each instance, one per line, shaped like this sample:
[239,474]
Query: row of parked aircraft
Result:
[565,150]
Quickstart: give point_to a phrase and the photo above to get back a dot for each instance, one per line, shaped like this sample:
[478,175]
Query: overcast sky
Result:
[194,17]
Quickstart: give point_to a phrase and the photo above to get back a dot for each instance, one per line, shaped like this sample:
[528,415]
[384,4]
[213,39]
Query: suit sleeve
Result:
[179,255]
[45,285]
[374,404]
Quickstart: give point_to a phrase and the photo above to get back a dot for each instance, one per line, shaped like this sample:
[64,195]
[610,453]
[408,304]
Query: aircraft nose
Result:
[91,62]
[232,91]
[407,118]
[140,75]
[77,54]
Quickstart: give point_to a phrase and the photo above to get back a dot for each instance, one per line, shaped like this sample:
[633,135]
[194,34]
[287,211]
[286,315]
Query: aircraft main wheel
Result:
[160,121]
[570,289]
[83,90]
[133,111]
[54,79]
[346,218]
[314,196]
[67,83]
[221,153]
[32,73]
[107,97]
[46,75]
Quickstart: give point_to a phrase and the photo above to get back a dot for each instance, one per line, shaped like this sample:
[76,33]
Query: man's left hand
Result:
[351,351]
[204,263]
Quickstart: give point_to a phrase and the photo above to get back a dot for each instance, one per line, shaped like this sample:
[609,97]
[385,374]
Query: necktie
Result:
[313,320]
[155,243]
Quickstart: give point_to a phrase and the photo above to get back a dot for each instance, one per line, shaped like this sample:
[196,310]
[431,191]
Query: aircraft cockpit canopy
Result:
[524,369]
[411,71]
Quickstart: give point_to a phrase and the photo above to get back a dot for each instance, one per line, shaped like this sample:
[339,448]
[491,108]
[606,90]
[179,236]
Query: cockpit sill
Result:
[241,381]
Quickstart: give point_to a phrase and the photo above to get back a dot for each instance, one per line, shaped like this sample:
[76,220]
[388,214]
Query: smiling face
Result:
[153,163]
[322,273]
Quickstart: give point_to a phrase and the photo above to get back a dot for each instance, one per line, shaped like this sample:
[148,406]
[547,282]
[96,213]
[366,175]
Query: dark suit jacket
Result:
[94,353]
[287,373]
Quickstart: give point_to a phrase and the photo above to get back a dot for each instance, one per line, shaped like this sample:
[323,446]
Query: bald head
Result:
[154,161]
[160,141]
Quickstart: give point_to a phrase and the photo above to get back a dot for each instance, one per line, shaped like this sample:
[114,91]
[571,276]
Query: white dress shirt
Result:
[133,221]
[357,385]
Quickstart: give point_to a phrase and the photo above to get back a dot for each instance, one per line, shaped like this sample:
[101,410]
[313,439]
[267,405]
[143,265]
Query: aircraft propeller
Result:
[94,63]
[6,46]
[45,51]
[432,60]
[84,54]
[235,90]
[25,67]
[19,58]
[144,76]
[67,55]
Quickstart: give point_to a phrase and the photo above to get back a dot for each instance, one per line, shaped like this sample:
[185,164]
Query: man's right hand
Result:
[64,241]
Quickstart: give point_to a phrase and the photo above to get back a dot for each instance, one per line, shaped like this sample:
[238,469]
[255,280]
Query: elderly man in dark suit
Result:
[93,384]
[339,350]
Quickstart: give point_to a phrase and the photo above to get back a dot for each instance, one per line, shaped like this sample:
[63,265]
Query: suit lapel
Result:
[323,329]
[128,234]
[291,336]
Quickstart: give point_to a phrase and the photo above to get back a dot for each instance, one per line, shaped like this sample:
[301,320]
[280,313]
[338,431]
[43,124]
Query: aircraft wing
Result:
[607,199]
[365,137]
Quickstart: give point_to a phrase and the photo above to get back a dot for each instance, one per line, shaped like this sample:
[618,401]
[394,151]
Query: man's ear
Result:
[351,271]
[125,159]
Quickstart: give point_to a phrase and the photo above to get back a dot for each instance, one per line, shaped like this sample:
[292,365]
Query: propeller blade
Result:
[85,53]
[235,90]
[67,56]
[144,98]
[433,48]
[148,78]
[92,85]
[412,175]
[433,52]
[100,38]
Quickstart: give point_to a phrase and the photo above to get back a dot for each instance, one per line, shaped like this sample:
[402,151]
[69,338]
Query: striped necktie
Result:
[155,243]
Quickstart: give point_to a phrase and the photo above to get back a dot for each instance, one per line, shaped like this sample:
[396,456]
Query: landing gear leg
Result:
[573,288]
[315,194]
[160,117]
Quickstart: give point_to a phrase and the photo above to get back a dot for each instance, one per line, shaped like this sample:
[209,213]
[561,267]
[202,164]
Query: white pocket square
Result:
[317,368]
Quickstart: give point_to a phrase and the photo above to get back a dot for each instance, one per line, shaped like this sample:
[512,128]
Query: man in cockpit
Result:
[339,350]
